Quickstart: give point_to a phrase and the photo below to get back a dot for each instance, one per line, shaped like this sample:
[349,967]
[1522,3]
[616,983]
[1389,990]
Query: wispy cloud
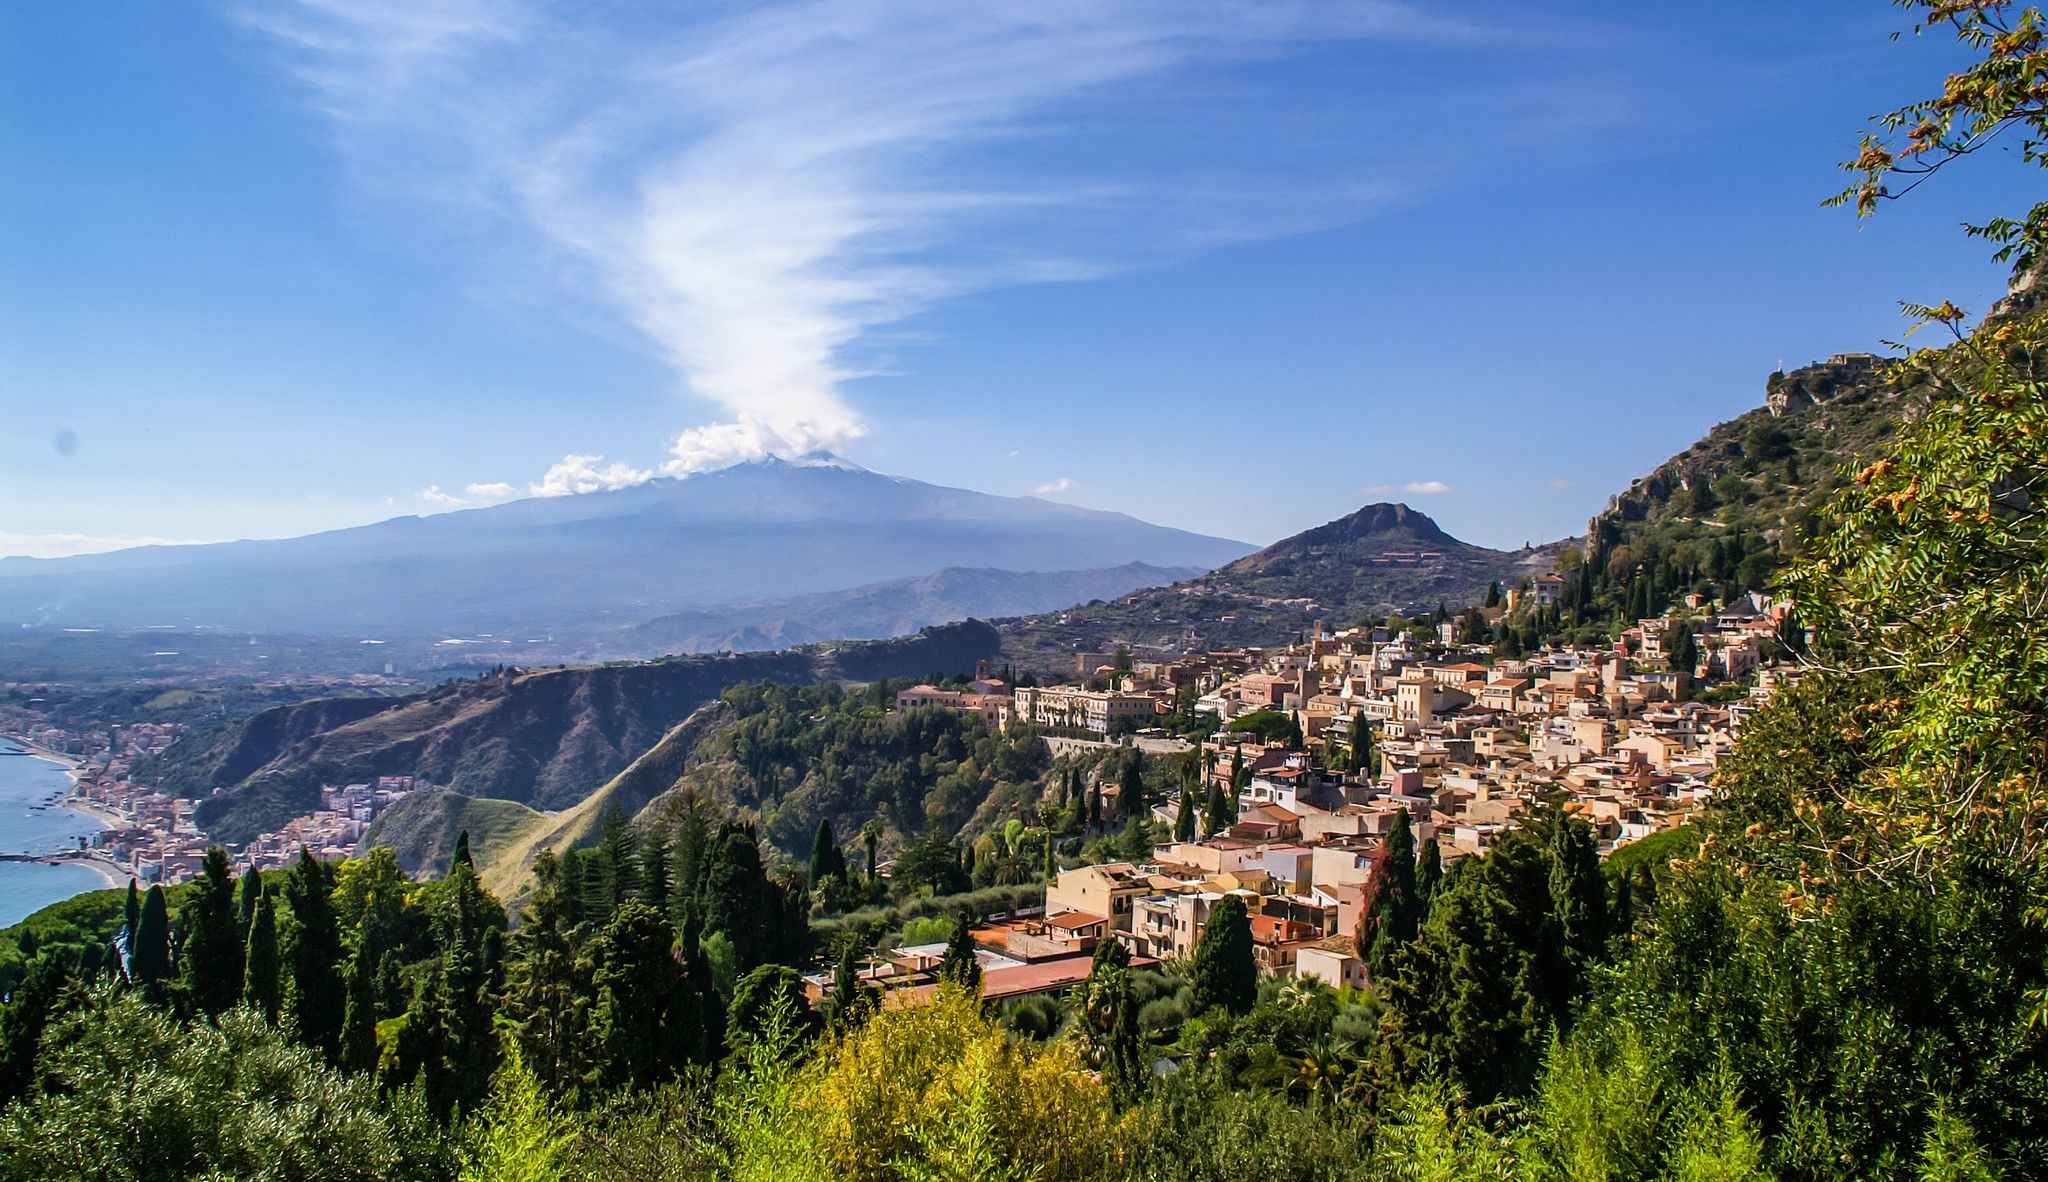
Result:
[1558,482]
[582,474]
[758,191]
[485,493]
[1413,487]
[1063,484]
[25,545]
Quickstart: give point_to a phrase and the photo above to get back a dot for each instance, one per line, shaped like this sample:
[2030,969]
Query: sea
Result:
[26,782]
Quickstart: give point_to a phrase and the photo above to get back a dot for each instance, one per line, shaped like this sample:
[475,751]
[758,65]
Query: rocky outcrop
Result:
[1789,393]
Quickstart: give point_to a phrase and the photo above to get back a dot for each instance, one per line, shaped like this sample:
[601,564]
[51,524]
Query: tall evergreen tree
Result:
[251,888]
[1389,916]
[1131,798]
[358,1049]
[461,856]
[960,965]
[1095,805]
[1361,746]
[826,860]
[1470,1004]
[851,998]
[618,866]
[547,991]
[1429,877]
[1217,815]
[1578,902]
[313,955]
[1225,973]
[260,983]
[656,880]
[455,1012]
[1184,819]
[150,954]
[36,998]
[210,958]
[870,837]
[638,1023]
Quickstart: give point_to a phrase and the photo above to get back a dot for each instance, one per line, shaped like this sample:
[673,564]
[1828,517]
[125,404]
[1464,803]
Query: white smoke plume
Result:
[761,188]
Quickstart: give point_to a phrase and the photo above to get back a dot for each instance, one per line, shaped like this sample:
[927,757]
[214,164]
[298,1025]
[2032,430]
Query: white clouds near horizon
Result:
[583,474]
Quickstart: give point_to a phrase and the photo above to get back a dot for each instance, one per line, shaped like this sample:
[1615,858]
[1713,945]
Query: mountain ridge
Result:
[594,562]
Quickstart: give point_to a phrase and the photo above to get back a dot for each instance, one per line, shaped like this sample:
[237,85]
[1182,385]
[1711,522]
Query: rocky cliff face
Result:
[545,738]
[1789,393]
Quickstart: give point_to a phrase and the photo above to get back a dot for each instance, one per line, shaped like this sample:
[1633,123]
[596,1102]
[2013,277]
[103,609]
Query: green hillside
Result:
[1381,560]
[545,738]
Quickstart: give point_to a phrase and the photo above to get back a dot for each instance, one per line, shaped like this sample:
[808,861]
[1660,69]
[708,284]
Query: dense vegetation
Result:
[1841,972]
[547,738]
[1275,595]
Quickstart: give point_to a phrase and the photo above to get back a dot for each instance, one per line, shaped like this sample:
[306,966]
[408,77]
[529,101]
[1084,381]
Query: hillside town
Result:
[1379,725]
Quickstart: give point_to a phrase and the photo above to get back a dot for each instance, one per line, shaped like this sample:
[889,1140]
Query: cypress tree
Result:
[1225,972]
[1095,804]
[826,861]
[851,997]
[260,976]
[245,907]
[1578,903]
[462,857]
[313,955]
[1390,913]
[210,959]
[871,836]
[1429,877]
[1131,799]
[150,954]
[1685,649]
[1217,815]
[358,1051]
[960,965]
[1184,820]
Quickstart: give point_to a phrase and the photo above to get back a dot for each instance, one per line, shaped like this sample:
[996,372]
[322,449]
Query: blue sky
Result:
[273,268]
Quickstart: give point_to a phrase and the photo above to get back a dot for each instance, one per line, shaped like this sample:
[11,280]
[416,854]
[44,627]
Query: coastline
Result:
[71,763]
[112,873]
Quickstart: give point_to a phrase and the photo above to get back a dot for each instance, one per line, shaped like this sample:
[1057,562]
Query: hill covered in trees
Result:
[1383,559]
[545,738]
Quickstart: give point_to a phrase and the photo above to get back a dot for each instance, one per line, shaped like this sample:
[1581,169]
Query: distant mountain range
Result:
[681,558]
[894,608]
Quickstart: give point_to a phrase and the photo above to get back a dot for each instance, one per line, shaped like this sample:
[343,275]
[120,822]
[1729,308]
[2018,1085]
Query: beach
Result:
[39,820]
